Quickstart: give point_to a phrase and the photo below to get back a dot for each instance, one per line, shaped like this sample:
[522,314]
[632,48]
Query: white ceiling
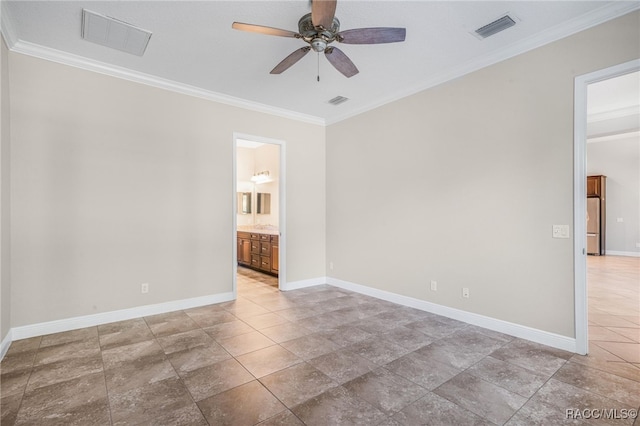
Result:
[194,50]
[613,108]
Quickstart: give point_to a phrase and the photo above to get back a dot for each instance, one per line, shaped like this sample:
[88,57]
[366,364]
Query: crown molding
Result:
[566,29]
[632,134]
[613,114]
[589,20]
[53,55]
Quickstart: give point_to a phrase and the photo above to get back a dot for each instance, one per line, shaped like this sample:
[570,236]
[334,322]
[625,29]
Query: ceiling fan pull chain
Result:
[318,54]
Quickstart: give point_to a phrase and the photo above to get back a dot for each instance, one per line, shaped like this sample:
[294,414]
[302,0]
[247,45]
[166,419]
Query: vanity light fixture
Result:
[261,177]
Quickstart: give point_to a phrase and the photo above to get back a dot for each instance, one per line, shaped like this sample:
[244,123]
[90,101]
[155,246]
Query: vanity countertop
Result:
[269,230]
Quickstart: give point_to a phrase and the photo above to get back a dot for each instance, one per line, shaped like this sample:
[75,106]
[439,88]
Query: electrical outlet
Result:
[331,265]
[619,219]
[434,286]
[465,292]
[144,288]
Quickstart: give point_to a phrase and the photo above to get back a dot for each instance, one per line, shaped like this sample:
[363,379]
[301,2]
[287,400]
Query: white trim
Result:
[521,331]
[580,193]
[234,222]
[65,58]
[614,137]
[4,345]
[296,285]
[630,111]
[623,253]
[67,324]
[282,206]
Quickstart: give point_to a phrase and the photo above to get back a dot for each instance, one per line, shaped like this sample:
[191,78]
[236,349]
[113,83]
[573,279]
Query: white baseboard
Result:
[296,285]
[623,253]
[516,330]
[67,324]
[4,345]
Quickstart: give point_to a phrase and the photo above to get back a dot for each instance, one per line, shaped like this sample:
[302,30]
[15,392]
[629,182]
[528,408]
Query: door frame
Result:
[282,247]
[580,194]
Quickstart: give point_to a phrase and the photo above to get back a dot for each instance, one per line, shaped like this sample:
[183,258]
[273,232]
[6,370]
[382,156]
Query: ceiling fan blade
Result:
[264,30]
[340,61]
[372,35]
[290,60]
[322,12]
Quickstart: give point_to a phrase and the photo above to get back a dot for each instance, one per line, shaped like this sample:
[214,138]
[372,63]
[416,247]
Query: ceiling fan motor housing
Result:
[318,37]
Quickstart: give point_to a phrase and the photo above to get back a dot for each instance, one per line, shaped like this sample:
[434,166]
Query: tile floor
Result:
[614,307]
[316,356]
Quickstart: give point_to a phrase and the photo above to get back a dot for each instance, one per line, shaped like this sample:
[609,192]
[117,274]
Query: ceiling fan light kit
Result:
[319,29]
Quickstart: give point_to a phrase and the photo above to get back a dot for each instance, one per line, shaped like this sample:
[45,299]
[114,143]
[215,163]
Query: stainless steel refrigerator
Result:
[593,225]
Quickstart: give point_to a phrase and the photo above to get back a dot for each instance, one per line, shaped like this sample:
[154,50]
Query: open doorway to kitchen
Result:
[259,215]
[607,117]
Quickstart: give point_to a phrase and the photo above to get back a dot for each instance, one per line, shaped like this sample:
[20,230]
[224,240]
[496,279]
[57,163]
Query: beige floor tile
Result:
[629,352]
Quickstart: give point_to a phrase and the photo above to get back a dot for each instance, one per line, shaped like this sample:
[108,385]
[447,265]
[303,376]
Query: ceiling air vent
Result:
[495,26]
[338,100]
[113,33]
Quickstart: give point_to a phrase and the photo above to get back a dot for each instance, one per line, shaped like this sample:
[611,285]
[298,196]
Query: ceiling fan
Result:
[319,29]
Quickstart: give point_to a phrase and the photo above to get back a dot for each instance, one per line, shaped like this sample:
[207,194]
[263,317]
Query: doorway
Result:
[259,239]
[580,172]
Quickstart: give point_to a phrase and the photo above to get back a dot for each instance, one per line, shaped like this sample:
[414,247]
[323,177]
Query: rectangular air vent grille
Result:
[496,26]
[113,33]
[338,100]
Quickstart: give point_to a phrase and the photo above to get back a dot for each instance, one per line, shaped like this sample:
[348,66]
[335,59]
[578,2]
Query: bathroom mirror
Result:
[263,201]
[244,203]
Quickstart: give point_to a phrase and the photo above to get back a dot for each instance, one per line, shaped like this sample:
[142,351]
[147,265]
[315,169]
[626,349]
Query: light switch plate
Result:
[560,231]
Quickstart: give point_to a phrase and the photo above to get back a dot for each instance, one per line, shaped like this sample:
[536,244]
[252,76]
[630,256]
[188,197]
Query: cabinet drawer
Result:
[265,263]
[265,249]
[255,261]
[265,237]
[244,235]
[274,239]
[255,236]
[255,247]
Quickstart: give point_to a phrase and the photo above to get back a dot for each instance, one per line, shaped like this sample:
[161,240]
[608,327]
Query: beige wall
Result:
[462,183]
[619,160]
[5,206]
[116,183]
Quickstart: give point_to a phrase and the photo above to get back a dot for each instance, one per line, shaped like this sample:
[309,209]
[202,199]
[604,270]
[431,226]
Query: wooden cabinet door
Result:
[244,251]
[594,187]
[275,258]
